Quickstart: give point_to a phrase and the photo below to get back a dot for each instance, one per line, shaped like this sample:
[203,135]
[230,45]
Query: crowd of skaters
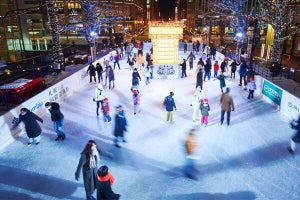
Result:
[90,156]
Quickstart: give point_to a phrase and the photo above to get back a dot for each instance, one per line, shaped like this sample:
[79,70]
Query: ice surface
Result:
[247,160]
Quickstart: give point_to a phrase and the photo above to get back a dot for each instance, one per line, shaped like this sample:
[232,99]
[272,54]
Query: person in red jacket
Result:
[105,109]
[104,183]
[216,68]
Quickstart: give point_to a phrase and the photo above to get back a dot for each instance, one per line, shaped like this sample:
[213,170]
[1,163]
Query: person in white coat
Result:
[99,96]
[197,98]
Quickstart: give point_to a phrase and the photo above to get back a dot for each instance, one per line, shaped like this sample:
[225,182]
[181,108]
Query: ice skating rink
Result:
[247,160]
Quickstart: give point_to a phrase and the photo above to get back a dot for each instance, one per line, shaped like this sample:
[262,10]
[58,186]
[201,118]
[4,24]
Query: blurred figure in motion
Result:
[190,146]
[295,124]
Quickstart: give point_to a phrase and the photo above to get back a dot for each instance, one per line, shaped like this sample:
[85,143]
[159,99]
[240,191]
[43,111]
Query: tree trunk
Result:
[275,57]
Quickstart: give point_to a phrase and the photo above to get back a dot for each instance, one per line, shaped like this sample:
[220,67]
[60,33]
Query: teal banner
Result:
[272,92]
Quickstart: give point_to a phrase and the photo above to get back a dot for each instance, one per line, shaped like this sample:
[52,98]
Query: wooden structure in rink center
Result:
[165,40]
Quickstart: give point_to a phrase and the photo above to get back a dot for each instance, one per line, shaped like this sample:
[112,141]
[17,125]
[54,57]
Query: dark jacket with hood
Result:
[32,128]
[55,112]
[169,103]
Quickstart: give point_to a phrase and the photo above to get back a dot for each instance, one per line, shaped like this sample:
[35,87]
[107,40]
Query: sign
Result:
[272,92]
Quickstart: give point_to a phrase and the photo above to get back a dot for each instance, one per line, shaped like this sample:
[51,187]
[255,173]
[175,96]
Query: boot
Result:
[58,138]
[63,137]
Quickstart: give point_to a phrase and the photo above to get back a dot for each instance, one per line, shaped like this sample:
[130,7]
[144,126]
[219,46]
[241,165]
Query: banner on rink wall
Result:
[272,92]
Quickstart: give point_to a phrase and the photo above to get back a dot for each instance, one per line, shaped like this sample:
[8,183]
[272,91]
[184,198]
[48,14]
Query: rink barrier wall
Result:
[58,93]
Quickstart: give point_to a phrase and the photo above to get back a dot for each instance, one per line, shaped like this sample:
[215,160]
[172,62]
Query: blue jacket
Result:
[243,69]
[169,103]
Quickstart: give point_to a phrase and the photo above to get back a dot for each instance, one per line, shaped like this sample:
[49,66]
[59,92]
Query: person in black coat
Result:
[111,77]
[33,129]
[120,125]
[135,77]
[199,79]
[99,70]
[104,183]
[58,119]
[183,68]
[92,71]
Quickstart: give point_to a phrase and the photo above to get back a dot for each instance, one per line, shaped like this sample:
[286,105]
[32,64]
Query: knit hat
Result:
[205,100]
[134,90]
[105,100]
[172,93]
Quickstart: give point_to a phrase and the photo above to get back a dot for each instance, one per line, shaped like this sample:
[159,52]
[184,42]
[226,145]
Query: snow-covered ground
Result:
[247,160]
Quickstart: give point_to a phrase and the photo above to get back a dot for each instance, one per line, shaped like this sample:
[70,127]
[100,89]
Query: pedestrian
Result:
[216,68]
[191,57]
[120,125]
[227,105]
[251,86]
[88,164]
[242,71]
[205,108]
[233,66]
[183,68]
[169,104]
[111,78]
[92,71]
[104,182]
[190,146]
[207,68]
[105,110]
[98,97]
[199,82]
[197,98]
[221,78]
[135,77]
[99,70]
[58,120]
[116,60]
[32,128]
[295,124]
[136,100]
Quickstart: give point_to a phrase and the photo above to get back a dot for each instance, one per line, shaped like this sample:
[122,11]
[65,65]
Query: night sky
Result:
[166,8]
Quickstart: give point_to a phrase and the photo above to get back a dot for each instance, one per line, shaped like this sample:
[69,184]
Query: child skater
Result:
[136,100]
[204,107]
[105,109]
[251,87]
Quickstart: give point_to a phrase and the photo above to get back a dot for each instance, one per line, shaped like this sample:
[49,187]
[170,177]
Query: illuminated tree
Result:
[280,15]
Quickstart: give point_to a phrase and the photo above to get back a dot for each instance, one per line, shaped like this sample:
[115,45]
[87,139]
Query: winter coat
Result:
[55,112]
[136,99]
[223,66]
[32,128]
[191,57]
[233,66]
[216,67]
[131,61]
[104,191]
[190,145]
[120,124]
[222,80]
[99,68]
[207,66]
[226,102]
[200,78]
[105,108]
[183,65]
[89,174]
[169,103]
[135,78]
[249,74]
[111,74]
[99,93]
[251,85]
[92,70]
[204,107]
[243,69]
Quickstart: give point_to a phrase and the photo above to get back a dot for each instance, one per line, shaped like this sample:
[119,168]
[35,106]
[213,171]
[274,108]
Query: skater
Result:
[221,78]
[190,146]
[135,77]
[136,101]
[104,183]
[295,124]
[169,104]
[227,105]
[224,66]
[183,68]
[105,110]
[205,108]
[251,86]
[191,59]
[92,71]
[207,68]
[196,103]
[111,77]
[116,60]
[242,71]
[32,128]
[99,96]
[99,70]
[88,164]
[216,68]
[131,62]
[233,66]
[147,74]
[58,119]
[120,125]
[199,82]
